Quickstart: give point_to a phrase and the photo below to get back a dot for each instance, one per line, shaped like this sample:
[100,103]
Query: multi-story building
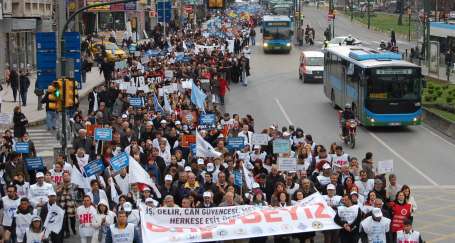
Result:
[19,21]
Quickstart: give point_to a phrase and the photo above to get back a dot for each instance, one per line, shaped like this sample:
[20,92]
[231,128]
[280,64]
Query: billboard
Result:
[215,4]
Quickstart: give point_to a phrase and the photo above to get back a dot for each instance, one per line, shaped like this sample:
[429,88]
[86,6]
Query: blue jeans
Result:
[253,41]
[51,117]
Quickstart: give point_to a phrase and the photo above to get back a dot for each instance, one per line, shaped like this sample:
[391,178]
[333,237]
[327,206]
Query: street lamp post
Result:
[369,15]
[63,62]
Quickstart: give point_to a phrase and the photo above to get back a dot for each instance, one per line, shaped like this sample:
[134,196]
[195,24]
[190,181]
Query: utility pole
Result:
[409,23]
[427,31]
[369,15]
[352,10]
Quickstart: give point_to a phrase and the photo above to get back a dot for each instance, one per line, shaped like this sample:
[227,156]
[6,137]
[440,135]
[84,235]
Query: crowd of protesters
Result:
[153,134]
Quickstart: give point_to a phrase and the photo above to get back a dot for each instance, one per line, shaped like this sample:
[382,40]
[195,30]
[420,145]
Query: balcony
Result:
[31,8]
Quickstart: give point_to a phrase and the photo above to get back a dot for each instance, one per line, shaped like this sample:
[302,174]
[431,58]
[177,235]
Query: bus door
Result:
[360,113]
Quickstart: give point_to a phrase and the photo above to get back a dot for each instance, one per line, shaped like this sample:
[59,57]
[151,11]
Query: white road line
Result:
[431,181]
[433,187]
[283,111]
[438,136]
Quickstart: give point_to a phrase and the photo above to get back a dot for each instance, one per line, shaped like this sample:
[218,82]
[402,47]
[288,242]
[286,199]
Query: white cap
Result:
[326,166]
[272,126]
[163,122]
[200,161]
[150,123]
[331,187]
[256,147]
[151,200]
[103,202]
[51,193]
[177,122]
[210,167]
[354,193]
[221,135]
[207,194]
[36,218]
[39,174]
[127,207]
[187,169]
[168,177]
[146,189]
[286,134]
[249,166]
[377,212]
[124,116]
[256,185]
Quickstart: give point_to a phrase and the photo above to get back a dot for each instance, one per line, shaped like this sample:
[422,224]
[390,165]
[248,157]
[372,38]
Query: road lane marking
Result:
[438,136]
[431,181]
[283,111]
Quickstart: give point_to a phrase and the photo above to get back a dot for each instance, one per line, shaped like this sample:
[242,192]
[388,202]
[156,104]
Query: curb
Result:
[439,123]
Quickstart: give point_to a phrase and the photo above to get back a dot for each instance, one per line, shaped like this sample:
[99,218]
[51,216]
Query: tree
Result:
[400,10]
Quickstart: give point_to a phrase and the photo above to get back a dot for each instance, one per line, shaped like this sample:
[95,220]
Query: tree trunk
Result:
[400,19]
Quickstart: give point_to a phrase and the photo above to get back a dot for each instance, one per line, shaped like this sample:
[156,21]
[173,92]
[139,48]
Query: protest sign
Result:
[235,143]
[188,139]
[188,117]
[207,120]
[103,134]
[145,59]
[281,146]
[228,223]
[193,149]
[169,74]
[34,164]
[93,167]
[384,166]
[136,102]
[5,118]
[260,139]
[22,148]
[287,164]
[121,64]
[119,162]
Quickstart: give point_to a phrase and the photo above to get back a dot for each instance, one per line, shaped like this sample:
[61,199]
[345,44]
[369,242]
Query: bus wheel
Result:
[332,99]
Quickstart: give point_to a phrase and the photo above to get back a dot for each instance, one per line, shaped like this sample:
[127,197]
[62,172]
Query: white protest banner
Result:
[131,90]
[5,118]
[187,84]
[161,225]
[287,164]
[54,219]
[145,59]
[260,139]
[384,166]
[169,74]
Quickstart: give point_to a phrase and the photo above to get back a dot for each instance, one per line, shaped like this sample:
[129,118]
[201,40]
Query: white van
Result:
[311,66]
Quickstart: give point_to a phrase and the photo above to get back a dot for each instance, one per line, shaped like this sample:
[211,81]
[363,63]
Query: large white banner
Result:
[227,223]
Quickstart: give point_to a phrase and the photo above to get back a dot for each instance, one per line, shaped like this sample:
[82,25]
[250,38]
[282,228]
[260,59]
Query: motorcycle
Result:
[351,128]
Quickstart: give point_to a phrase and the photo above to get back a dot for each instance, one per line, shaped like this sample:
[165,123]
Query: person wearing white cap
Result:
[86,214]
[323,178]
[35,233]
[244,153]
[257,154]
[38,192]
[348,216]
[123,181]
[375,226]
[122,231]
[48,210]
[133,214]
[103,218]
[208,200]
[331,198]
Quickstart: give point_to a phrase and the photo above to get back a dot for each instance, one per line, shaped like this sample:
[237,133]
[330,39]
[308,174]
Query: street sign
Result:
[164,11]
[73,51]
[46,59]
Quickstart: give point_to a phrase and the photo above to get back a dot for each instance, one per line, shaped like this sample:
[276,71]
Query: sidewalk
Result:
[34,116]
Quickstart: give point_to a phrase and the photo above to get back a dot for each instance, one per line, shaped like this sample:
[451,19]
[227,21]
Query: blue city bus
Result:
[276,33]
[382,89]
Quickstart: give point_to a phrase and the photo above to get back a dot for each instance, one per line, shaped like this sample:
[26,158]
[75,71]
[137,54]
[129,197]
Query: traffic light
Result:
[70,93]
[55,95]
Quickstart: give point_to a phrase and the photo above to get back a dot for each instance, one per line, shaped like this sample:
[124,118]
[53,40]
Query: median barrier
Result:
[439,123]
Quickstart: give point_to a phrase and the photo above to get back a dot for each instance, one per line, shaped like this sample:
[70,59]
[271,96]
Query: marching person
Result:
[375,227]
[9,204]
[348,216]
[86,214]
[36,231]
[408,235]
[122,231]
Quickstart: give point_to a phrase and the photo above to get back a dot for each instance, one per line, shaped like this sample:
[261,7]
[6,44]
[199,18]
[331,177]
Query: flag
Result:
[156,104]
[203,148]
[139,175]
[54,219]
[78,179]
[198,97]
[248,179]
[167,104]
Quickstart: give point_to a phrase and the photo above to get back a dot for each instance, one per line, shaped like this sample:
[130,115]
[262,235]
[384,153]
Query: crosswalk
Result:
[45,141]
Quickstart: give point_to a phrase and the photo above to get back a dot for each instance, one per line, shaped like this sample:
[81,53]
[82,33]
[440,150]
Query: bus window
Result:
[399,86]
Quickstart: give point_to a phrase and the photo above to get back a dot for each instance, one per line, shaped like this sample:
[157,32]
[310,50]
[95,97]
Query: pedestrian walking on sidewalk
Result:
[14,82]
[39,94]
[51,116]
[24,84]
[20,121]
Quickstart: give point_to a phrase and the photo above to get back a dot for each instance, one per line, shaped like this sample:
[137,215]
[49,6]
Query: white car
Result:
[341,40]
[311,66]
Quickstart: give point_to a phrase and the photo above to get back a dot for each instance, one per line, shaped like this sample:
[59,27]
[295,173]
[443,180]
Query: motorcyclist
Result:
[349,41]
[346,115]
[383,45]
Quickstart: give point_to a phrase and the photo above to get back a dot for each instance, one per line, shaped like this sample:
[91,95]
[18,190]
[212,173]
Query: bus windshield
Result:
[281,11]
[394,84]
[276,33]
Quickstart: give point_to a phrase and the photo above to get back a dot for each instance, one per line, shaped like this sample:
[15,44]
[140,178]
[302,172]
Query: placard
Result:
[235,143]
[119,162]
[169,74]
[5,118]
[193,149]
[136,102]
[93,167]
[103,134]
[281,146]
[384,166]
[121,64]
[22,148]
[207,120]
[188,139]
[188,117]
[287,164]
[34,164]
[145,60]
[260,139]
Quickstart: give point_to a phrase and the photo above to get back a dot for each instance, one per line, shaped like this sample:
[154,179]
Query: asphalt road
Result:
[423,158]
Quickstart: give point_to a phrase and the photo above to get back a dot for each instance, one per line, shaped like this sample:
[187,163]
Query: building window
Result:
[111,21]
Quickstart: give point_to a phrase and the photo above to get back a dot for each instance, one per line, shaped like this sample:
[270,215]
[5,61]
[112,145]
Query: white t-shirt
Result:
[86,219]
[9,209]
[375,230]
